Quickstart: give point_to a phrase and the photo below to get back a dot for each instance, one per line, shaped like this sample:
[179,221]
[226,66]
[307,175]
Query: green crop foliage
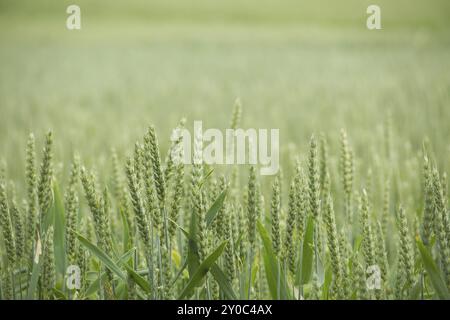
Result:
[90,187]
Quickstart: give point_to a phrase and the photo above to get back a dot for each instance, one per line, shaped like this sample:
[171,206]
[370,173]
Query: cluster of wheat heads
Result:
[164,230]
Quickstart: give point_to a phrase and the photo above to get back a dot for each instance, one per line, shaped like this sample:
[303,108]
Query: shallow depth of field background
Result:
[301,66]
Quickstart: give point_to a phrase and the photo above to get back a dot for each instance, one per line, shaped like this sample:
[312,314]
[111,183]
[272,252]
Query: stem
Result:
[161,278]
[299,270]
[151,278]
[278,279]
[316,253]
[208,291]
[250,262]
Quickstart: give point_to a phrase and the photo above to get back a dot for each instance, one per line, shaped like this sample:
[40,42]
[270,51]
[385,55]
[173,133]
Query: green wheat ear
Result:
[302,199]
[385,219]
[139,163]
[152,147]
[382,257]
[313,179]
[323,156]
[406,266]
[32,196]
[236,115]
[275,209]
[220,218]
[120,193]
[141,217]
[289,252]
[367,244]
[441,225]
[99,208]
[81,262]
[428,212]
[197,199]
[175,153]
[359,278]
[346,169]
[71,206]
[151,196]
[229,249]
[19,233]
[252,208]
[333,246]
[178,194]
[8,236]
[315,289]
[46,176]
[142,222]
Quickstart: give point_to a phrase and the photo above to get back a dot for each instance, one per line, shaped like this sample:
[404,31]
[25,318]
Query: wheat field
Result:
[94,206]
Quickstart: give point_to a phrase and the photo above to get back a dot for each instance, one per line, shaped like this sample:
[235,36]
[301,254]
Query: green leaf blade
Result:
[102,256]
[196,279]
[433,271]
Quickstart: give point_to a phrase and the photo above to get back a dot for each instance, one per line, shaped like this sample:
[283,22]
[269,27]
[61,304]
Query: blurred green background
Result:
[301,66]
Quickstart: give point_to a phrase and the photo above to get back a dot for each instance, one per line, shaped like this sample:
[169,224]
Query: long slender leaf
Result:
[48,218]
[270,263]
[140,281]
[95,285]
[59,294]
[327,282]
[270,275]
[433,272]
[206,177]
[102,256]
[185,232]
[214,209]
[272,267]
[196,279]
[223,282]
[126,256]
[126,243]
